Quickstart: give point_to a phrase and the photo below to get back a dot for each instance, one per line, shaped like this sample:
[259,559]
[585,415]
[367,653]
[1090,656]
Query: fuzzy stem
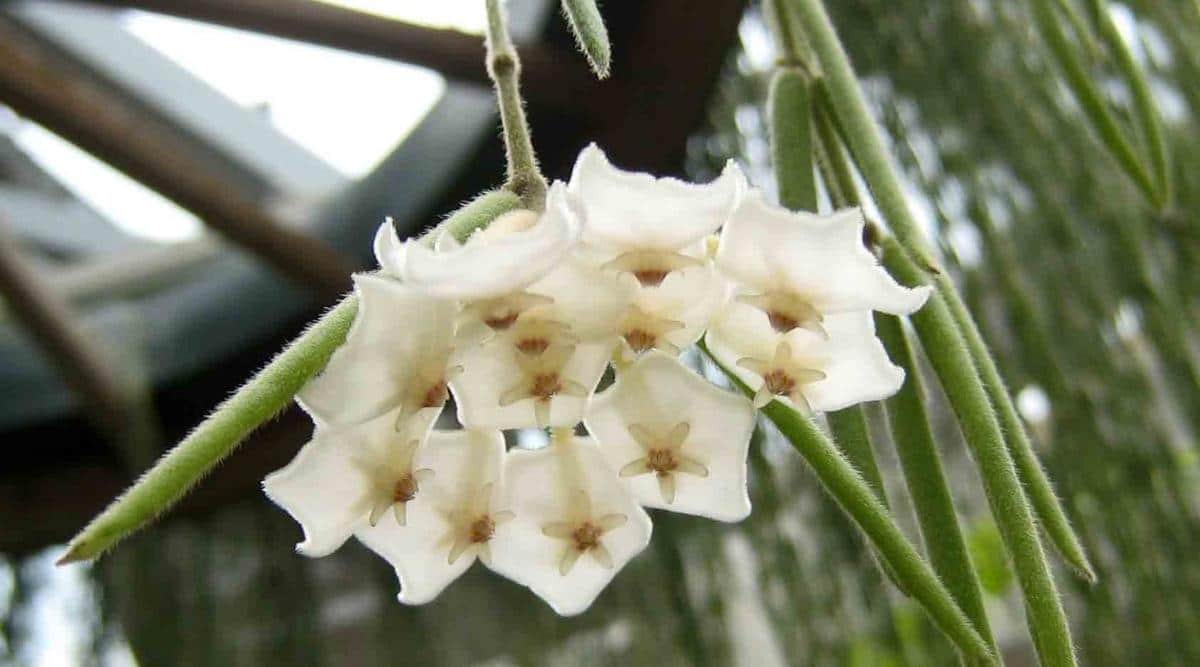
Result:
[791,139]
[855,496]
[260,399]
[504,68]
[926,480]
[951,359]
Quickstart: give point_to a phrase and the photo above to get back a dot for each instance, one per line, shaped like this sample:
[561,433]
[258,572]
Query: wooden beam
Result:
[106,398]
[45,86]
[549,78]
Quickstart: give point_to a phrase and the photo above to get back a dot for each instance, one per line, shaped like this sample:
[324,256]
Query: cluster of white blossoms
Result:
[520,323]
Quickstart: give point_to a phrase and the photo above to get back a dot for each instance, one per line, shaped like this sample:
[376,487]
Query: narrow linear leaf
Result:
[1092,102]
[926,480]
[855,497]
[791,139]
[951,360]
[1033,476]
[260,399]
[588,26]
[1148,117]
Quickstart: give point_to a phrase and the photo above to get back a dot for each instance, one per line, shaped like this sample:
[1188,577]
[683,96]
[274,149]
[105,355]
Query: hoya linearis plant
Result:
[985,412]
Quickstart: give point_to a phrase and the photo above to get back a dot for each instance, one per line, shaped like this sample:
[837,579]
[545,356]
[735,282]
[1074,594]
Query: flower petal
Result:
[657,394]
[586,297]
[389,250]
[541,489]
[820,257]
[463,462]
[326,487]
[491,370]
[398,332]
[626,209]
[490,265]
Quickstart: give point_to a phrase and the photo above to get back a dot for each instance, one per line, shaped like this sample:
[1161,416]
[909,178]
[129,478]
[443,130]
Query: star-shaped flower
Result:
[798,268]
[396,355]
[454,520]
[679,442]
[575,525]
[806,370]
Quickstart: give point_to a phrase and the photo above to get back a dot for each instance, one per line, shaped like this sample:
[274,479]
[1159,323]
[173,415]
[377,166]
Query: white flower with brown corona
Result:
[427,504]
[678,442]
[396,355]
[575,525]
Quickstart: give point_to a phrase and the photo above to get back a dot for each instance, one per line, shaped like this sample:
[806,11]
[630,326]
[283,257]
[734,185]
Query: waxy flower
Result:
[809,371]
[455,518]
[575,525]
[679,442]
[516,250]
[396,355]
[797,268]
[427,506]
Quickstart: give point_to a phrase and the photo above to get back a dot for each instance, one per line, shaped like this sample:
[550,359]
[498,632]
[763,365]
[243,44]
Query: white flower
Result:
[389,250]
[514,251]
[350,477]
[679,442]
[395,355]
[636,212]
[798,268]
[809,371]
[452,521]
[674,315]
[427,507]
[540,380]
[575,524]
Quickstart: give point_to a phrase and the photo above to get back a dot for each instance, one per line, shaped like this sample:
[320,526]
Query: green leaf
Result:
[844,483]
[590,33]
[791,139]
[926,481]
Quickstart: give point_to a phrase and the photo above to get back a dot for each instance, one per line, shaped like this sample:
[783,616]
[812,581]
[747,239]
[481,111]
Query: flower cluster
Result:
[521,322]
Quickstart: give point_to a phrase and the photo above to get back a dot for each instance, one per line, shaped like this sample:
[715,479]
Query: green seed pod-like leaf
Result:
[590,33]
[260,399]
[791,139]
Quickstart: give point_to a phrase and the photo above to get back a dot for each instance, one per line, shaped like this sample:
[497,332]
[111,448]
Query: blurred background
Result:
[184,184]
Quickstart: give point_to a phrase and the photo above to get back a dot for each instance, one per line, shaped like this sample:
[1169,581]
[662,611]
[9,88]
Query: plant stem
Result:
[504,68]
[260,399]
[590,33]
[926,480]
[855,496]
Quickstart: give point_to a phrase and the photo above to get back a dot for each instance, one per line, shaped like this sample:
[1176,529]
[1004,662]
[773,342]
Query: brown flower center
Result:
[545,385]
[779,382]
[586,536]
[640,340]
[782,322]
[405,489]
[501,321]
[533,345]
[482,529]
[650,277]
[661,461]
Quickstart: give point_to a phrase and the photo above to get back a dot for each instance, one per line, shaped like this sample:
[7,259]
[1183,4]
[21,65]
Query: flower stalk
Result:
[590,33]
[504,68]
[855,496]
